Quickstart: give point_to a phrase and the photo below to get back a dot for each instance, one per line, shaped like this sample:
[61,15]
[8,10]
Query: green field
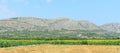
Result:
[65,37]
[10,43]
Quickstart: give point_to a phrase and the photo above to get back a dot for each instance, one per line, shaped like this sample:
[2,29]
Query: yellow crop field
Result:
[49,48]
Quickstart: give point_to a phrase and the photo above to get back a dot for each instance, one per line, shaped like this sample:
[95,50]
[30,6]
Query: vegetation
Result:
[45,31]
[9,43]
[62,34]
[76,37]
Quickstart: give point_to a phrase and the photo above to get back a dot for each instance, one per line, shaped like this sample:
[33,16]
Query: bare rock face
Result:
[68,24]
[39,24]
[114,27]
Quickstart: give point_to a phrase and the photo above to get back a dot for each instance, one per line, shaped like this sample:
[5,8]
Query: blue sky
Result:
[96,11]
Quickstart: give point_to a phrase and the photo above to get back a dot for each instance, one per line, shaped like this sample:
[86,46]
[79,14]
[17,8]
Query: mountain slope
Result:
[38,24]
[58,28]
[113,27]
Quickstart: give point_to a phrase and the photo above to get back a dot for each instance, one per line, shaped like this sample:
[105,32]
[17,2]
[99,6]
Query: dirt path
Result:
[62,49]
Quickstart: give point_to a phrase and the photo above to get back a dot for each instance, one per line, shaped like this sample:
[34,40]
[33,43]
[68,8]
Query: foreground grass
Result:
[10,43]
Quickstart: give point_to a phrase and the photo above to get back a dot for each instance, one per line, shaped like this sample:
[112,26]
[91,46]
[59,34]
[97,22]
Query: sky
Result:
[96,11]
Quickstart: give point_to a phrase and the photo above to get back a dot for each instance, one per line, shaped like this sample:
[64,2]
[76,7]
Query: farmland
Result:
[48,48]
[11,43]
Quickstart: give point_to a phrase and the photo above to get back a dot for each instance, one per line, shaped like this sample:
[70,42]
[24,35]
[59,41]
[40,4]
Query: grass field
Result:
[48,48]
[10,43]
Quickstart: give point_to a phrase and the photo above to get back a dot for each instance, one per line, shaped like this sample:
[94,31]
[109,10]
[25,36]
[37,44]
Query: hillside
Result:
[57,28]
[113,27]
[37,24]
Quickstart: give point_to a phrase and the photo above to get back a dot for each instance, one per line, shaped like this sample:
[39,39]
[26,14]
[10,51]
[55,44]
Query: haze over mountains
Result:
[57,24]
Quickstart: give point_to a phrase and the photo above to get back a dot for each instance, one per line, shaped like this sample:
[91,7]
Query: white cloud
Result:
[5,11]
[19,1]
[23,2]
[3,1]
[48,1]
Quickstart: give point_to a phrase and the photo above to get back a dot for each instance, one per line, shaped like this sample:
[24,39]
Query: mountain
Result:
[38,24]
[113,27]
[56,28]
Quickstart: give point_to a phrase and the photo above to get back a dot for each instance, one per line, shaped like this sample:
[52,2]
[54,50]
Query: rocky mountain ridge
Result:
[40,24]
[57,28]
